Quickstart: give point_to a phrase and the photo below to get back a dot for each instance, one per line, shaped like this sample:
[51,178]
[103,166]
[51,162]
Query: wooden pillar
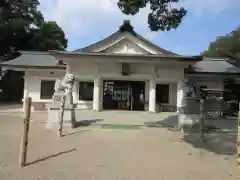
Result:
[24,140]
[238,137]
[202,119]
[97,94]
[180,96]
[152,96]
[61,115]
[25,92]
[146,106]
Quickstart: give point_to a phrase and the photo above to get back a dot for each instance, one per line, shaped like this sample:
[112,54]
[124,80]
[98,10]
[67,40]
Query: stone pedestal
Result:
[188,121]
[189,118]
[54,111]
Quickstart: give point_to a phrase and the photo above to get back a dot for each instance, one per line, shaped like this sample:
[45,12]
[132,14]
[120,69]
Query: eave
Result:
[33,67]
[139,57]
[214,73]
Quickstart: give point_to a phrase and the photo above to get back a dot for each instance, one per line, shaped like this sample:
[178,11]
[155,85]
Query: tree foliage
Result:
[22,27]
[163,15]
[50,36]
[228,45]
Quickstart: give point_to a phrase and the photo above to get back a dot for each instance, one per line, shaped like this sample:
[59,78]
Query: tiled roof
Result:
[216,65]
[33,59]
[125,28]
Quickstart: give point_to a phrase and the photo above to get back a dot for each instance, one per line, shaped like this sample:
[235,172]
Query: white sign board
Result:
[57,98]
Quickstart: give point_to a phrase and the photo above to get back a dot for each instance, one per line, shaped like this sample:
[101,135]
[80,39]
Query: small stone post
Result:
[202,119]
[73,118]
[24,141]
[238,138]
[61,115]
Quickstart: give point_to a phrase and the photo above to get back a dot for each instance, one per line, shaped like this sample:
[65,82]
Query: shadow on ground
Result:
[216,142]
[51,156]
[169,122]
[221,134]
[77,132]
[87,122]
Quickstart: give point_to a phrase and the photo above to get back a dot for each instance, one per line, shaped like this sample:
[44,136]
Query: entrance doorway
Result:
[125,95]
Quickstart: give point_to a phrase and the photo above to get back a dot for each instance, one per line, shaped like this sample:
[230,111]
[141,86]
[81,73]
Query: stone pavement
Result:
[165,119]
[126,117]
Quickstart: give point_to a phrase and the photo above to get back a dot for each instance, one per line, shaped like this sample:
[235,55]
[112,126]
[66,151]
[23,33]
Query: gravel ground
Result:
[92,153]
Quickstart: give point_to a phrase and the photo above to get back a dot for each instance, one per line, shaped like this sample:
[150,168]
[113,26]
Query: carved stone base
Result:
[69,118]
[187,121]
[54,110]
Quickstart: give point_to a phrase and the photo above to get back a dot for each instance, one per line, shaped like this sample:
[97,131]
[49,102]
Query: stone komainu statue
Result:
[65,84]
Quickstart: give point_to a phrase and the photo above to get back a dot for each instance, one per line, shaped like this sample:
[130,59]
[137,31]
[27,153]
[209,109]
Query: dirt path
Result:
[107,154]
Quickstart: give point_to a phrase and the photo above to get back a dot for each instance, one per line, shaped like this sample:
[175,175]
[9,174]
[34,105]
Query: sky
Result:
[88,21]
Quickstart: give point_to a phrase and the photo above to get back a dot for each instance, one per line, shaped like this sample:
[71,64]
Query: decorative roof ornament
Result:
[127,27]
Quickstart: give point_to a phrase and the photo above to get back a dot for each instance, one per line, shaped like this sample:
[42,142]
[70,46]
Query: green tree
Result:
[163,15]
[17,20]
[22,27]
[228,45]
[50,36]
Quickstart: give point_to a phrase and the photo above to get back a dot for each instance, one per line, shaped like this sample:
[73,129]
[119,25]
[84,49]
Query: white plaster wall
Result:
[87,71]
[84,105]
[33,85]
[112,70]
[83,69]
[34,88]
[141,69]
[33,82]
[170,73]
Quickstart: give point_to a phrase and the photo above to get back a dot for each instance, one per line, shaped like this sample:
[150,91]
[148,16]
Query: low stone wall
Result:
[40,106]
[43,106]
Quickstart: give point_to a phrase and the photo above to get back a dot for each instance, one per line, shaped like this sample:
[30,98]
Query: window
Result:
[86,91]
[47,89]
[201,93]
[162,93]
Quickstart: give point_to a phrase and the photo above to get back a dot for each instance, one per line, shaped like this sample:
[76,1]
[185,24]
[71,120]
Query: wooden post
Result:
[61,115]
[24,141]
[238,137]
[202,118]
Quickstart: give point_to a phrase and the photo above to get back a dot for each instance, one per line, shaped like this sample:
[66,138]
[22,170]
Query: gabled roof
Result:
[33,59]
[122,56]
[46,60]
[124,31]
[215,66]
